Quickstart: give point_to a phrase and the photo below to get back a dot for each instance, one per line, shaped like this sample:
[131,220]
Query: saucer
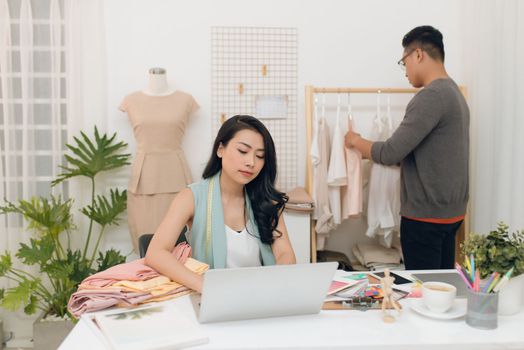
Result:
[458,309]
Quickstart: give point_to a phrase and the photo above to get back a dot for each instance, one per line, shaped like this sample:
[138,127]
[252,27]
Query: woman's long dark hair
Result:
[266,202]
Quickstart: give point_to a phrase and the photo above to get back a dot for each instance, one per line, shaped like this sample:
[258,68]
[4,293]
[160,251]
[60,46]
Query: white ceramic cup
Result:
[438,296]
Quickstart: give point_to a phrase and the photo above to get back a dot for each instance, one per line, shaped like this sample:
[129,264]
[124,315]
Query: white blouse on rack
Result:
[384,193]
[337,174]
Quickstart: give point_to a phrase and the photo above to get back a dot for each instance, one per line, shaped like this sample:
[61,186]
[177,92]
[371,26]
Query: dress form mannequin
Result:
[158,115]
[157,85]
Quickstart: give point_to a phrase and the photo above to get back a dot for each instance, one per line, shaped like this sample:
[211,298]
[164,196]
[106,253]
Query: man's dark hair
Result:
[427,38]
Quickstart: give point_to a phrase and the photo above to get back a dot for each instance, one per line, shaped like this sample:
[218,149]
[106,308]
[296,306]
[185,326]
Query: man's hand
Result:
[350,138]
[353,139]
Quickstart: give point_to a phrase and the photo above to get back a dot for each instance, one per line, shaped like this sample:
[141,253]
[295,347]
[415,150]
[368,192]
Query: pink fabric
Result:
[135,270]
[95,293]
[352,192]
[90,300]
[86,300]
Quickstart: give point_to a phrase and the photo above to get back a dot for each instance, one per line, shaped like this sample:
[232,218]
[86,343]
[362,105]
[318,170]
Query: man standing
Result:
[432,146]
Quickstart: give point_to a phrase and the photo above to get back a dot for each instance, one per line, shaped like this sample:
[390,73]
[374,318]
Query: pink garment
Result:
[352,192]
[323,212]
[88,300]
[95,292]
[135,270]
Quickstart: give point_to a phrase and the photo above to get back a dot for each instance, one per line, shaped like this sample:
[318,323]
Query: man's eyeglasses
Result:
[401,62]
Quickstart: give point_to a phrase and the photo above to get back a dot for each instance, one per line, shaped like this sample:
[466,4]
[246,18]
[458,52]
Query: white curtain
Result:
[52,84]
[86,87]
[494,71]
[25,124]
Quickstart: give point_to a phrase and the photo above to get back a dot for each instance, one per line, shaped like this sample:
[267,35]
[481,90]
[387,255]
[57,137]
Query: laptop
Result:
[260,292]
[447,277]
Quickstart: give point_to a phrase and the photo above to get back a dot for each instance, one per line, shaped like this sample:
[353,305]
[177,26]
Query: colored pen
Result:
[461,274]
[467,266]
[503,280]
[488,283]
[466,274]
[476,283]
[494,282]
[472,262]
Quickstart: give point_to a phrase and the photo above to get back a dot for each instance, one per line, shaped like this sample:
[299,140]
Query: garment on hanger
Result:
[384,193]
[315,160]
[160,168]
[323,212]
[337,174]
[352,192]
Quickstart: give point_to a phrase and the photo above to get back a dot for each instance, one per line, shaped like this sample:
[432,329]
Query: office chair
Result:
[145,239]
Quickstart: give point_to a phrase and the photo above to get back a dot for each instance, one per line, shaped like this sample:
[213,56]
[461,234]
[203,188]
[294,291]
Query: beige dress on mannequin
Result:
[160,169]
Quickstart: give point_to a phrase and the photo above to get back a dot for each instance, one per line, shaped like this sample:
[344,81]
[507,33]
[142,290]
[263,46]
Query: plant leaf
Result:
[5,263]
[46,216]
[40,251]
[107,212]
[30,307]
[496,251]
[110,258]
[93,156]
[21,294]
[79,269]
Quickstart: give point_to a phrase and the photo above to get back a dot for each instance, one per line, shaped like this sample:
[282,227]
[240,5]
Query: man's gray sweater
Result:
[432,146]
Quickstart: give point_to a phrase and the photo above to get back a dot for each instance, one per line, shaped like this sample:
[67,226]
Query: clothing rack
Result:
[310,92]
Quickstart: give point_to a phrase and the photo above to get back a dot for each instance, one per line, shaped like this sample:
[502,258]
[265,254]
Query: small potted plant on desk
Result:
[500,251]
[55,268]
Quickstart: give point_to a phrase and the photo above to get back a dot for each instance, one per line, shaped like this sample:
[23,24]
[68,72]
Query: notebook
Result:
[260,292]
[447,277]
[154,326]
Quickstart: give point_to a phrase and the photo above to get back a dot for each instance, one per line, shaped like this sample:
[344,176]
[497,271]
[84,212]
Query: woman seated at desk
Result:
[234,213]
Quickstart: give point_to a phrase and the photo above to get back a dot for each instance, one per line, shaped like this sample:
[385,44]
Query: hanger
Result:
[323,105]
[377,119]
[315,111]
[350,116]
[338,108]
[388,114]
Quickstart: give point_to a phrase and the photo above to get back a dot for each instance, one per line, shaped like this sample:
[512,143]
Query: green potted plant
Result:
[61,267]
[499,251]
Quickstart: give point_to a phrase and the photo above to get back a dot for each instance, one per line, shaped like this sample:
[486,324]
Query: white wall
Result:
[341,43]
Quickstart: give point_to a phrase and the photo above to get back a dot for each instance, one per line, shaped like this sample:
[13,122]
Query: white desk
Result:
[342,330]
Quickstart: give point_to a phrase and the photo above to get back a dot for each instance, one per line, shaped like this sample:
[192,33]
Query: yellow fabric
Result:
[151,285]
[160,285]
[167,297]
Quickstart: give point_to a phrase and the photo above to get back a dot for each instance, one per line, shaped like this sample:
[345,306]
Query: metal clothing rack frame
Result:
[310,92]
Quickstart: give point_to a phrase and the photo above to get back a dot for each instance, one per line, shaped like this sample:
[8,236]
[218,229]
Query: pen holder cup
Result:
[482,310]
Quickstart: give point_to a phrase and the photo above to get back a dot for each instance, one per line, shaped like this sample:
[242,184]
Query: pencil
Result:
[488,283]
[472,262]
[461,274]
[494,282]
[467,265]
[503,280]
[476,284]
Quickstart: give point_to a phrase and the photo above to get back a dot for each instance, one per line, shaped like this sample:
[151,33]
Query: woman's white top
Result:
[242,249]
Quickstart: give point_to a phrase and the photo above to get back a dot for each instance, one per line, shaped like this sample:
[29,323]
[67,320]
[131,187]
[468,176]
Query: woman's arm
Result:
[159,255]
[281,247]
